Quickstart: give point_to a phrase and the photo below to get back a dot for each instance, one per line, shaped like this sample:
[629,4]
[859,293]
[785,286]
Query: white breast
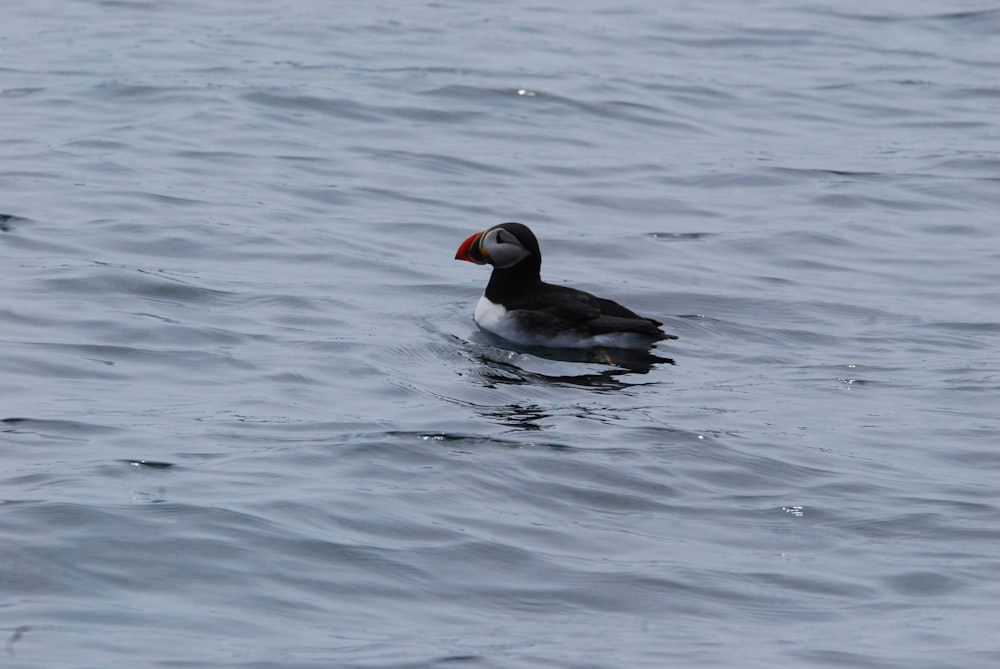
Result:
[493,317]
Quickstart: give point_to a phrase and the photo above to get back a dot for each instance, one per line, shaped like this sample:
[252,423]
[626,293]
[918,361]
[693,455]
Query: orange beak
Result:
[471,251]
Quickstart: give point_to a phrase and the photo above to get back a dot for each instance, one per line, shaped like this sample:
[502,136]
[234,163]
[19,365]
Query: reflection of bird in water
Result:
[517,415]
[502,368]
[521,308]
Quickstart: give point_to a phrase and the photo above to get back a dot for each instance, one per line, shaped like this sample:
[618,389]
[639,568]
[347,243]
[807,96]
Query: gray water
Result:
[248,420]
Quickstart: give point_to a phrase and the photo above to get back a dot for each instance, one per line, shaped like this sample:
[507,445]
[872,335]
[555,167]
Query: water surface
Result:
[248,420]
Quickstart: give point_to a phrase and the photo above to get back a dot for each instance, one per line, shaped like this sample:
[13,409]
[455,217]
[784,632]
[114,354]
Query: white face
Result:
[503,249]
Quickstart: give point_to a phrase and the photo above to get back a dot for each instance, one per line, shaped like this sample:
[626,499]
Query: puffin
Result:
[519,307]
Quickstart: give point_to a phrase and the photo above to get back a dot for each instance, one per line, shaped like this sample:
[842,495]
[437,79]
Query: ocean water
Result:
[248,422]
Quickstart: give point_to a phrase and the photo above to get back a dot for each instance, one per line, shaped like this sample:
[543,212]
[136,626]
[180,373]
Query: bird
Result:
[519,307]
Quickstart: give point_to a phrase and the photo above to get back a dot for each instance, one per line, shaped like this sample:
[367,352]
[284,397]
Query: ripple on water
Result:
[102,279]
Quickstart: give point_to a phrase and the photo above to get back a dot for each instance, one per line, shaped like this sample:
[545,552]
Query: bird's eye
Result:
[500,239]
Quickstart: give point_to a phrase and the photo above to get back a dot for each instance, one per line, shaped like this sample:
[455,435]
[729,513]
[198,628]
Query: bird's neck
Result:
[512,280]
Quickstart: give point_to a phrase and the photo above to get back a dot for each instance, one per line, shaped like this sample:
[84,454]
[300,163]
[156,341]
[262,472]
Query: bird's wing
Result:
[580,311]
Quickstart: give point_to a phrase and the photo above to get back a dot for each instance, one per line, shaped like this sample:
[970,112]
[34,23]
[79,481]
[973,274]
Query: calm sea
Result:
[248,422]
